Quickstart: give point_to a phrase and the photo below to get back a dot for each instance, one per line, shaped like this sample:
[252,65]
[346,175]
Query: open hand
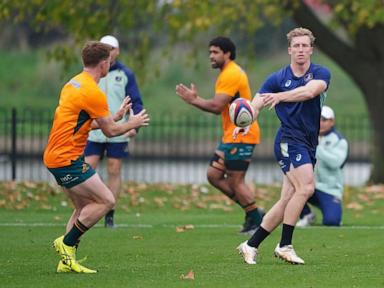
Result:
[270,99]
[140,119]
[188,94]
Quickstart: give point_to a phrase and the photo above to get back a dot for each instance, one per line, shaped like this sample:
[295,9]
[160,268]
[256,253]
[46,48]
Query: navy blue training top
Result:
[300,121]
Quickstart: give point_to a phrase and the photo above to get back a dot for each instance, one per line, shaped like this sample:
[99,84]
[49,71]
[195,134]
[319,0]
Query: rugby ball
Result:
[241,112]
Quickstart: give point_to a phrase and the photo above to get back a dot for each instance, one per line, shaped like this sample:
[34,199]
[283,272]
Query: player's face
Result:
[326,125]
[300,50]
[217,57]
[114,54]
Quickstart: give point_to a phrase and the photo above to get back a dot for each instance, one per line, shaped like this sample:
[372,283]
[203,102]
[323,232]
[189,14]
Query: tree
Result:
[357,45]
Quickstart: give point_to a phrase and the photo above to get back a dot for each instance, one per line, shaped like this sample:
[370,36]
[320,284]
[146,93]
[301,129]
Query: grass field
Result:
[147,251]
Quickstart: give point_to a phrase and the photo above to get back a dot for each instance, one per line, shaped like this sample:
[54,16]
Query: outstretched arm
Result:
[303,93]
[124,107]
[111,129]
[190,95]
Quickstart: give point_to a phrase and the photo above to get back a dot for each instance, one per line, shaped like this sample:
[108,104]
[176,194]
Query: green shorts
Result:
[74,174]
[236,151]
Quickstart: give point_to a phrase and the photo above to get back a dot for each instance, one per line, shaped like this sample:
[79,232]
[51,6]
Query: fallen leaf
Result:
[189,276]
[30,184]
[159,201]
[355,206]
[375,189]
[183,228]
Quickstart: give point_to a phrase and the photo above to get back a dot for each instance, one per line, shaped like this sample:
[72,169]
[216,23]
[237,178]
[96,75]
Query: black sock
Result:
[258,237]
[286,235]
[72,237]
[110,213]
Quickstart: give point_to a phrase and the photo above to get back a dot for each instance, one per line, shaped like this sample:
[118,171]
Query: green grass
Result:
[156,255]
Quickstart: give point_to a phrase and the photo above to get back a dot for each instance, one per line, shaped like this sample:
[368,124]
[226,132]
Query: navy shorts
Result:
[295,154]
[112,150]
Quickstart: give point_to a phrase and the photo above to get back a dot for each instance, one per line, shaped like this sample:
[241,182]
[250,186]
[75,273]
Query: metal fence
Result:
[174,148]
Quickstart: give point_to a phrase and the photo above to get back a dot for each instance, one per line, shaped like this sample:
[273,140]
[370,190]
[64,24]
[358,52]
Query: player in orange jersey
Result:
[232,157]
[82,107]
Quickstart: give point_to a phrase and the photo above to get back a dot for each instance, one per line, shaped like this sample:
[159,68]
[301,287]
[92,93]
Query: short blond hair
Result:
[300,32]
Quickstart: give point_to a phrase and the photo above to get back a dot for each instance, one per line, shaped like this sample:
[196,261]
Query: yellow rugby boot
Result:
[68,258]
[74,267]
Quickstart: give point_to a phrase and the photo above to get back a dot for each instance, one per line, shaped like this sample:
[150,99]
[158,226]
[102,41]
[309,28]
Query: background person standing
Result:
[119,83]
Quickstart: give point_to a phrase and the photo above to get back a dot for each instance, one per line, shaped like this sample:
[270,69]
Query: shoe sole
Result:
[285,260]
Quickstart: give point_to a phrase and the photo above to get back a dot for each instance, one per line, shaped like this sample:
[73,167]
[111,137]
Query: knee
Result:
[213,177]
[114,170]
[287,195]
[109,201]
[234,182]
[307,190]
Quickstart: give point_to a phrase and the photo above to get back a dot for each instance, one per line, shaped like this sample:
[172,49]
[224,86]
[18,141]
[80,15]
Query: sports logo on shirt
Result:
[298,157]
[308,77]
[118,78]
[288,83]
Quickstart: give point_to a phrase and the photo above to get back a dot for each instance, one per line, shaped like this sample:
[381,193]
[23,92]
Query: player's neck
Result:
[225,64]
[94,73]
[300,69]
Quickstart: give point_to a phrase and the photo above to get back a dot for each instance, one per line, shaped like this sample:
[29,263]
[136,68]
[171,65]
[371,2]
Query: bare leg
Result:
[78,206]
[236,183]
[114,176]
[217,177]
[275,215]
[303,180]
[95,200]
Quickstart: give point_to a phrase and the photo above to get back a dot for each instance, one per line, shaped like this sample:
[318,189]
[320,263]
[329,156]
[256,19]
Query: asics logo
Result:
[288,83]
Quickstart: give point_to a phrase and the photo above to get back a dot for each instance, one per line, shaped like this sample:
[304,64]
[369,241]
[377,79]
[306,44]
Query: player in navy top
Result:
[297,93]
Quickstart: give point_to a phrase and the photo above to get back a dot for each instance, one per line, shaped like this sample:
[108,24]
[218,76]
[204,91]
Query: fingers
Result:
[127,99]
[181,89]
[236,132]
[144,117]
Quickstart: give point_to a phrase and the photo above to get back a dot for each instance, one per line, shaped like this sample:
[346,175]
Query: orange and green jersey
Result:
[81,101]
[233,81]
